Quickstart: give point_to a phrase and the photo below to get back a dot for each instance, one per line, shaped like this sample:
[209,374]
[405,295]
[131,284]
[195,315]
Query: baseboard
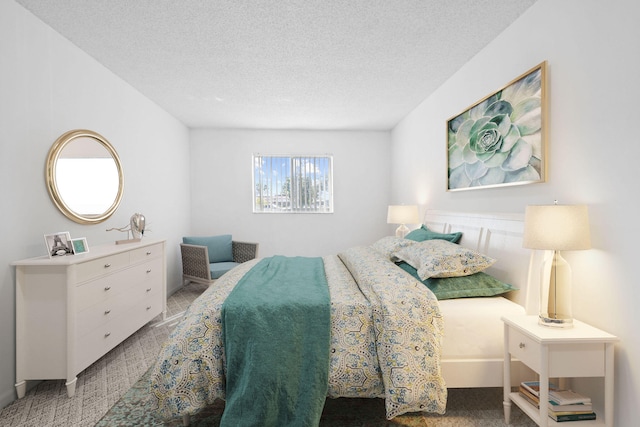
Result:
[8,397]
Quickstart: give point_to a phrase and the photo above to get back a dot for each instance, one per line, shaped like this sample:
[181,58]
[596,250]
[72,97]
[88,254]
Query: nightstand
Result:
[581,351]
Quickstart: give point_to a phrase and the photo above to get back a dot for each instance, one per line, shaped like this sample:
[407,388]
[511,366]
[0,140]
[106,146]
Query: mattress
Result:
[472,327]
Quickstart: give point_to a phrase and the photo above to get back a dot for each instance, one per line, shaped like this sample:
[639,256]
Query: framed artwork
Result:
[501,139]
[80,245]
[59,244]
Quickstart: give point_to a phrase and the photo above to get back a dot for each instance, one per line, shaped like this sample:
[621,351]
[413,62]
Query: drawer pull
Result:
[107,265]
[148,252]
[148,271]
[106,288]
[107,312]
[522,345]
[149,307]
[148,289]
[107,334]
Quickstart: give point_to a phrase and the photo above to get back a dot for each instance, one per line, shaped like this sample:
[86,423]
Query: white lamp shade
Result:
[402,214]
[557,227]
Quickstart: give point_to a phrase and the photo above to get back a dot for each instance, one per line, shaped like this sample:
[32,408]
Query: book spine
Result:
[575,417]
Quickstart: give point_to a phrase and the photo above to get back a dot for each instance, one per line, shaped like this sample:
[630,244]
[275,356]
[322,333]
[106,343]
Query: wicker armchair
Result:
[196,266]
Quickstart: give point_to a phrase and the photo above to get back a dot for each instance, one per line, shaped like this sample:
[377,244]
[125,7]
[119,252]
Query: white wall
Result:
[49,86]
[222,189]
[592,52]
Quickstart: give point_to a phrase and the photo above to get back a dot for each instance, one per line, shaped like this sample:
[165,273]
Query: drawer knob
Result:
[107,334]
[149,307]
[148,289]
[107,265]
[149,271]
[522,345]
[107,311]
[106,288]
[148,252]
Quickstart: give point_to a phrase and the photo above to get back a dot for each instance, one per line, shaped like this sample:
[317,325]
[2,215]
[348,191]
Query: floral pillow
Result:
[387,246]
[441,258]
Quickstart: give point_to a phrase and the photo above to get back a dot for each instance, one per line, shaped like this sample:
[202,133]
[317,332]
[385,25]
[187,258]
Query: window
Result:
[292,184]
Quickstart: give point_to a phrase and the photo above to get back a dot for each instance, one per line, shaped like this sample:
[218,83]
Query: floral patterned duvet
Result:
[386,334]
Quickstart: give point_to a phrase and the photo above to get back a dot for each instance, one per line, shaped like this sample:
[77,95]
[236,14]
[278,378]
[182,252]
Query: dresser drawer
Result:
[104,311]
[101,266]
[525,349]
[95,291]
[148,252]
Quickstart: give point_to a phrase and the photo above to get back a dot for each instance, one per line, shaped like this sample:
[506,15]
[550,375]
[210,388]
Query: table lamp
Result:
[402,214]
[556,228]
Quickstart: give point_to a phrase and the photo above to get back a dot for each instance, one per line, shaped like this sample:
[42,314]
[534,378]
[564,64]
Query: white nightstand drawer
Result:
[524,348]
[577,360]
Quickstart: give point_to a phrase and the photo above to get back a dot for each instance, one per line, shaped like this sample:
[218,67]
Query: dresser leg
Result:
[21,389]
[71,387]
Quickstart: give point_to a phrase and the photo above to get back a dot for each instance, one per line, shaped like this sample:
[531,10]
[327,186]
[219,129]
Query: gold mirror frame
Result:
[52,159]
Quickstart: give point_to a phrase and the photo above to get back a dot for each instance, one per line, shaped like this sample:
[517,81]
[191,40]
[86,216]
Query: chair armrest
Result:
[195,262]
[244,251]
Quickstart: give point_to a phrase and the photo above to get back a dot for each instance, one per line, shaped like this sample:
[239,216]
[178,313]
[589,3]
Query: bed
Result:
[451,343]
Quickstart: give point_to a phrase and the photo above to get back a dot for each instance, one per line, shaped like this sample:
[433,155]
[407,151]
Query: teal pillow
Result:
[220,247]
[423,233]
[475,285]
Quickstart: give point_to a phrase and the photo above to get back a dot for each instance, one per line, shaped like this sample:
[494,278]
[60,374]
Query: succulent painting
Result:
[499,140]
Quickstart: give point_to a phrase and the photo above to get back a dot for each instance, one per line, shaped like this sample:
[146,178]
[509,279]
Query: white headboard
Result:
[498,235]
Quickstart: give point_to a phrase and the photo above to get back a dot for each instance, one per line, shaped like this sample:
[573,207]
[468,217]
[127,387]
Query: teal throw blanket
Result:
[276,332]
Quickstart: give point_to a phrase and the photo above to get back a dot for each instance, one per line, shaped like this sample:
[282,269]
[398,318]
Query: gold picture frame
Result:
[501,139]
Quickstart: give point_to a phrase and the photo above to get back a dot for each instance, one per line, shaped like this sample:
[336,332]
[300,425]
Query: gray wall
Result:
[592,52]
[222,189]
[48,86]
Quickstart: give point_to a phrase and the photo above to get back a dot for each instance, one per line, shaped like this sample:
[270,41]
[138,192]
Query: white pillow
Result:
[440,258]
[387,246]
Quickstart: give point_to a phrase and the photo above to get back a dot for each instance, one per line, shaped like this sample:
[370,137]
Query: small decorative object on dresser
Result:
[59,244]
[80,245]
[70,311]
[137,225]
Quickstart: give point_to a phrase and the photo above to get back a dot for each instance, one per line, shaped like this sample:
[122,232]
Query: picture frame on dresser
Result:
[80,245]
[59,244]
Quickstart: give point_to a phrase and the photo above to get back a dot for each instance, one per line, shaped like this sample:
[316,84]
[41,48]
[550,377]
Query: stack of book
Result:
[564,405]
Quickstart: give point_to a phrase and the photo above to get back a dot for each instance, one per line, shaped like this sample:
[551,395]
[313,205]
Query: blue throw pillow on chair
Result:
[220,247]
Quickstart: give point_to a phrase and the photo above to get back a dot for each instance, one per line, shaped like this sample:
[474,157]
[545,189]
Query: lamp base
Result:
[555,323]
[555,292]
[402,231]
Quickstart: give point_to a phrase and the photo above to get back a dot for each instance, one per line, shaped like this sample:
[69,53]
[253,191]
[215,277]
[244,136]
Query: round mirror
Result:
[84,176]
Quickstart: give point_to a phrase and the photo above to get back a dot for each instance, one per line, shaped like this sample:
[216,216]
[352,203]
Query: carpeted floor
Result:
[113,392]
[102,384]
[465,408]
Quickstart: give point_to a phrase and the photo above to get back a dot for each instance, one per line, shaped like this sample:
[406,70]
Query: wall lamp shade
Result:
[402,214]
[556,228]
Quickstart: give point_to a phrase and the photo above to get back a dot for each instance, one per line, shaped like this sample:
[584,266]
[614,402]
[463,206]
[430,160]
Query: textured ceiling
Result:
[290,64]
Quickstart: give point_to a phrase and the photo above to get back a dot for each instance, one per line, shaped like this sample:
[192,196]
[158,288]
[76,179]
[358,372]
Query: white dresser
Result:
[72,310]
